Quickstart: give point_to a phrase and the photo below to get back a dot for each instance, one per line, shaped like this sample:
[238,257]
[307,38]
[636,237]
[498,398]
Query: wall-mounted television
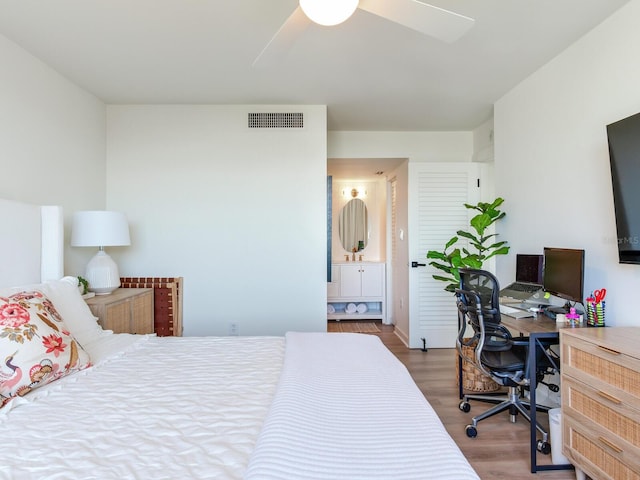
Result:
[624,156]
[563,275]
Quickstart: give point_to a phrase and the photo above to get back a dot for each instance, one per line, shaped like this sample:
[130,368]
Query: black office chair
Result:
[497,354]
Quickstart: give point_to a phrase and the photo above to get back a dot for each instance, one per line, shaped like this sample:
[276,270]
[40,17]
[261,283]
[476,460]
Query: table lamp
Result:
[100,228]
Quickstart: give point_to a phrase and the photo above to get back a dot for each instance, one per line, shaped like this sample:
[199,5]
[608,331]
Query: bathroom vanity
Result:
[359,283]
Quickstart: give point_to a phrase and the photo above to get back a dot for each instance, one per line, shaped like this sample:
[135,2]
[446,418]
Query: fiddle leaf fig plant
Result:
[452,257]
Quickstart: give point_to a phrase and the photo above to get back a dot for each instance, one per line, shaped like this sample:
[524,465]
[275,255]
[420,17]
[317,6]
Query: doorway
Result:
[423,208]
[373,174]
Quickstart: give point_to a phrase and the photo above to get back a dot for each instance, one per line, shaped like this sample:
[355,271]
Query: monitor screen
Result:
[529,268]
[563,274]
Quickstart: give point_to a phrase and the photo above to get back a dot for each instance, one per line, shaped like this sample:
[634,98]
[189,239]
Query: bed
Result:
[102,405]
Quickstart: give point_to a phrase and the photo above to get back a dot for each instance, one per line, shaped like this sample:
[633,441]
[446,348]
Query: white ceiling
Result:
[371,73]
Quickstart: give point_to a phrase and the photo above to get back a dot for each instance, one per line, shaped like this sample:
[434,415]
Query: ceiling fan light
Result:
[328,12]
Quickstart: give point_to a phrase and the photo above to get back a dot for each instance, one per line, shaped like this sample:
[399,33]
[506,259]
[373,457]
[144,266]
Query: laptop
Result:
[528,278]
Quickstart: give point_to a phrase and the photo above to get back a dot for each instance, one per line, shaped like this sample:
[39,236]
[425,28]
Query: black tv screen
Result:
[624,155]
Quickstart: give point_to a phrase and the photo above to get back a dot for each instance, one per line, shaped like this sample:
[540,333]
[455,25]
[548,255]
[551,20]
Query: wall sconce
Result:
[354,193]
[100,229]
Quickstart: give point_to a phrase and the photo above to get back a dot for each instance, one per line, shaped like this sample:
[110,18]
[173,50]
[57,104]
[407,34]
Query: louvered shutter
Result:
[437,194]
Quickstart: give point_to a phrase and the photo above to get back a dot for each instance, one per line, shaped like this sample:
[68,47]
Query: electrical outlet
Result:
[233,329]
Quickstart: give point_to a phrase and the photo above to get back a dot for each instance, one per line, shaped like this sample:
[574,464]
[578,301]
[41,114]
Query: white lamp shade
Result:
[328,12]
[99,228]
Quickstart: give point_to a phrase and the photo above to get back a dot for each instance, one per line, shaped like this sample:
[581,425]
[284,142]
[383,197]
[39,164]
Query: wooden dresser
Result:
[601,401]
[126,310]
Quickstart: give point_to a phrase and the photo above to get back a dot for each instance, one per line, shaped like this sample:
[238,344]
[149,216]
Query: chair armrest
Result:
[520,341]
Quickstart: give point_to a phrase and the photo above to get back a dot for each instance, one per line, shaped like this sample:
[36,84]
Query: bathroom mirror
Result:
[353,225]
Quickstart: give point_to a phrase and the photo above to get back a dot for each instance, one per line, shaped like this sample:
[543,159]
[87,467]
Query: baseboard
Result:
[404,338]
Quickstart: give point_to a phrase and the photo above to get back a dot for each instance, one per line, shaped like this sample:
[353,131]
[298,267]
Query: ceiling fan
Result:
[428,19]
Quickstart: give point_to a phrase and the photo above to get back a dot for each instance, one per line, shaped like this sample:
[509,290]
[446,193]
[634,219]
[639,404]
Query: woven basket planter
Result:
[472,378]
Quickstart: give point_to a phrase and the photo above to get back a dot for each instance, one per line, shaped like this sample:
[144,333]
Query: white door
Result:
[437,194]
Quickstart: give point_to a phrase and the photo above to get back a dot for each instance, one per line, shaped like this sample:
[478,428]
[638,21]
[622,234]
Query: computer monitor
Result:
[563,275]
[529,268]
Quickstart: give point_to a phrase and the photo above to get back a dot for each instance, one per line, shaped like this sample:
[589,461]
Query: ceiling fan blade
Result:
[279,45]
[422,17]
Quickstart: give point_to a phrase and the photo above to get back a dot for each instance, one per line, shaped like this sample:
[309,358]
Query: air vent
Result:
[276,120]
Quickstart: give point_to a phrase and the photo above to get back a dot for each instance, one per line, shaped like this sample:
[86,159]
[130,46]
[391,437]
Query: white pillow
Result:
[66,297]
[36,344]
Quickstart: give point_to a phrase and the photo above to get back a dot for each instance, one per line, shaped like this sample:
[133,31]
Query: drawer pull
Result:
[612,446]
[609,350]
[609,397]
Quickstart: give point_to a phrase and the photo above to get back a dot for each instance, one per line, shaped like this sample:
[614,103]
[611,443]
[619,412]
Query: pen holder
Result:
[595,314]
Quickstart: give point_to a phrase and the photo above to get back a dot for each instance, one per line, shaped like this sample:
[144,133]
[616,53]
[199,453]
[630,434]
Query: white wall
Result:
[240,213]
[52,138]
[551,156]
[483,142]
[416,146]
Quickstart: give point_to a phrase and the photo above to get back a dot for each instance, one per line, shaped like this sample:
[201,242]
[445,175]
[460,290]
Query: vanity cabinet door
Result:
[372,280]
[361,280]
[350,281]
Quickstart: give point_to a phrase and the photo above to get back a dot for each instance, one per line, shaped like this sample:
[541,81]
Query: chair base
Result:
[511,402]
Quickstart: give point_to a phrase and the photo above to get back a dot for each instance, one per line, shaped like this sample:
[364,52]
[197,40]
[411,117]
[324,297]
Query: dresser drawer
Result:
[604,415]
[596,455]
[603,367]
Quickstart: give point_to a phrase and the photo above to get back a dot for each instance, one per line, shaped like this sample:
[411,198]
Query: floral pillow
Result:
[36,347]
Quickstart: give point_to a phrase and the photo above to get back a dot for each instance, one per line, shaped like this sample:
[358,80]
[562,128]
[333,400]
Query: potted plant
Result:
[83,285]
[451,258]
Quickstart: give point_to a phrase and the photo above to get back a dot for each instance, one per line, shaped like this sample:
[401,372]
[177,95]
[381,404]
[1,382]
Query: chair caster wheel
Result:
[543,447]
[471,431]
[465,406]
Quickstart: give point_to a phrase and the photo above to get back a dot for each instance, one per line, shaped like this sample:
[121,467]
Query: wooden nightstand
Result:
[126,310]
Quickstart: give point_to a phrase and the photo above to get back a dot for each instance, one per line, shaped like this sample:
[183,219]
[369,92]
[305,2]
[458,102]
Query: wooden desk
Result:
[538,324]
[541,330]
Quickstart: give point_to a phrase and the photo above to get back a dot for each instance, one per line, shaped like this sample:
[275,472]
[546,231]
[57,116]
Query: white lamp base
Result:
[102,274]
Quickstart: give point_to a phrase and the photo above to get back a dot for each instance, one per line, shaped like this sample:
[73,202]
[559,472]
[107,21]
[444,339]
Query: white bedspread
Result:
[346,408]
[193,408]
[166,408]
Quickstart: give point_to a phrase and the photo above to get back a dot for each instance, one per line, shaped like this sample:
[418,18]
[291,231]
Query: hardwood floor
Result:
[501,449]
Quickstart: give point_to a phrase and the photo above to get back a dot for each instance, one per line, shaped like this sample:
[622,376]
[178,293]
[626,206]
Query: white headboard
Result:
[31,243]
